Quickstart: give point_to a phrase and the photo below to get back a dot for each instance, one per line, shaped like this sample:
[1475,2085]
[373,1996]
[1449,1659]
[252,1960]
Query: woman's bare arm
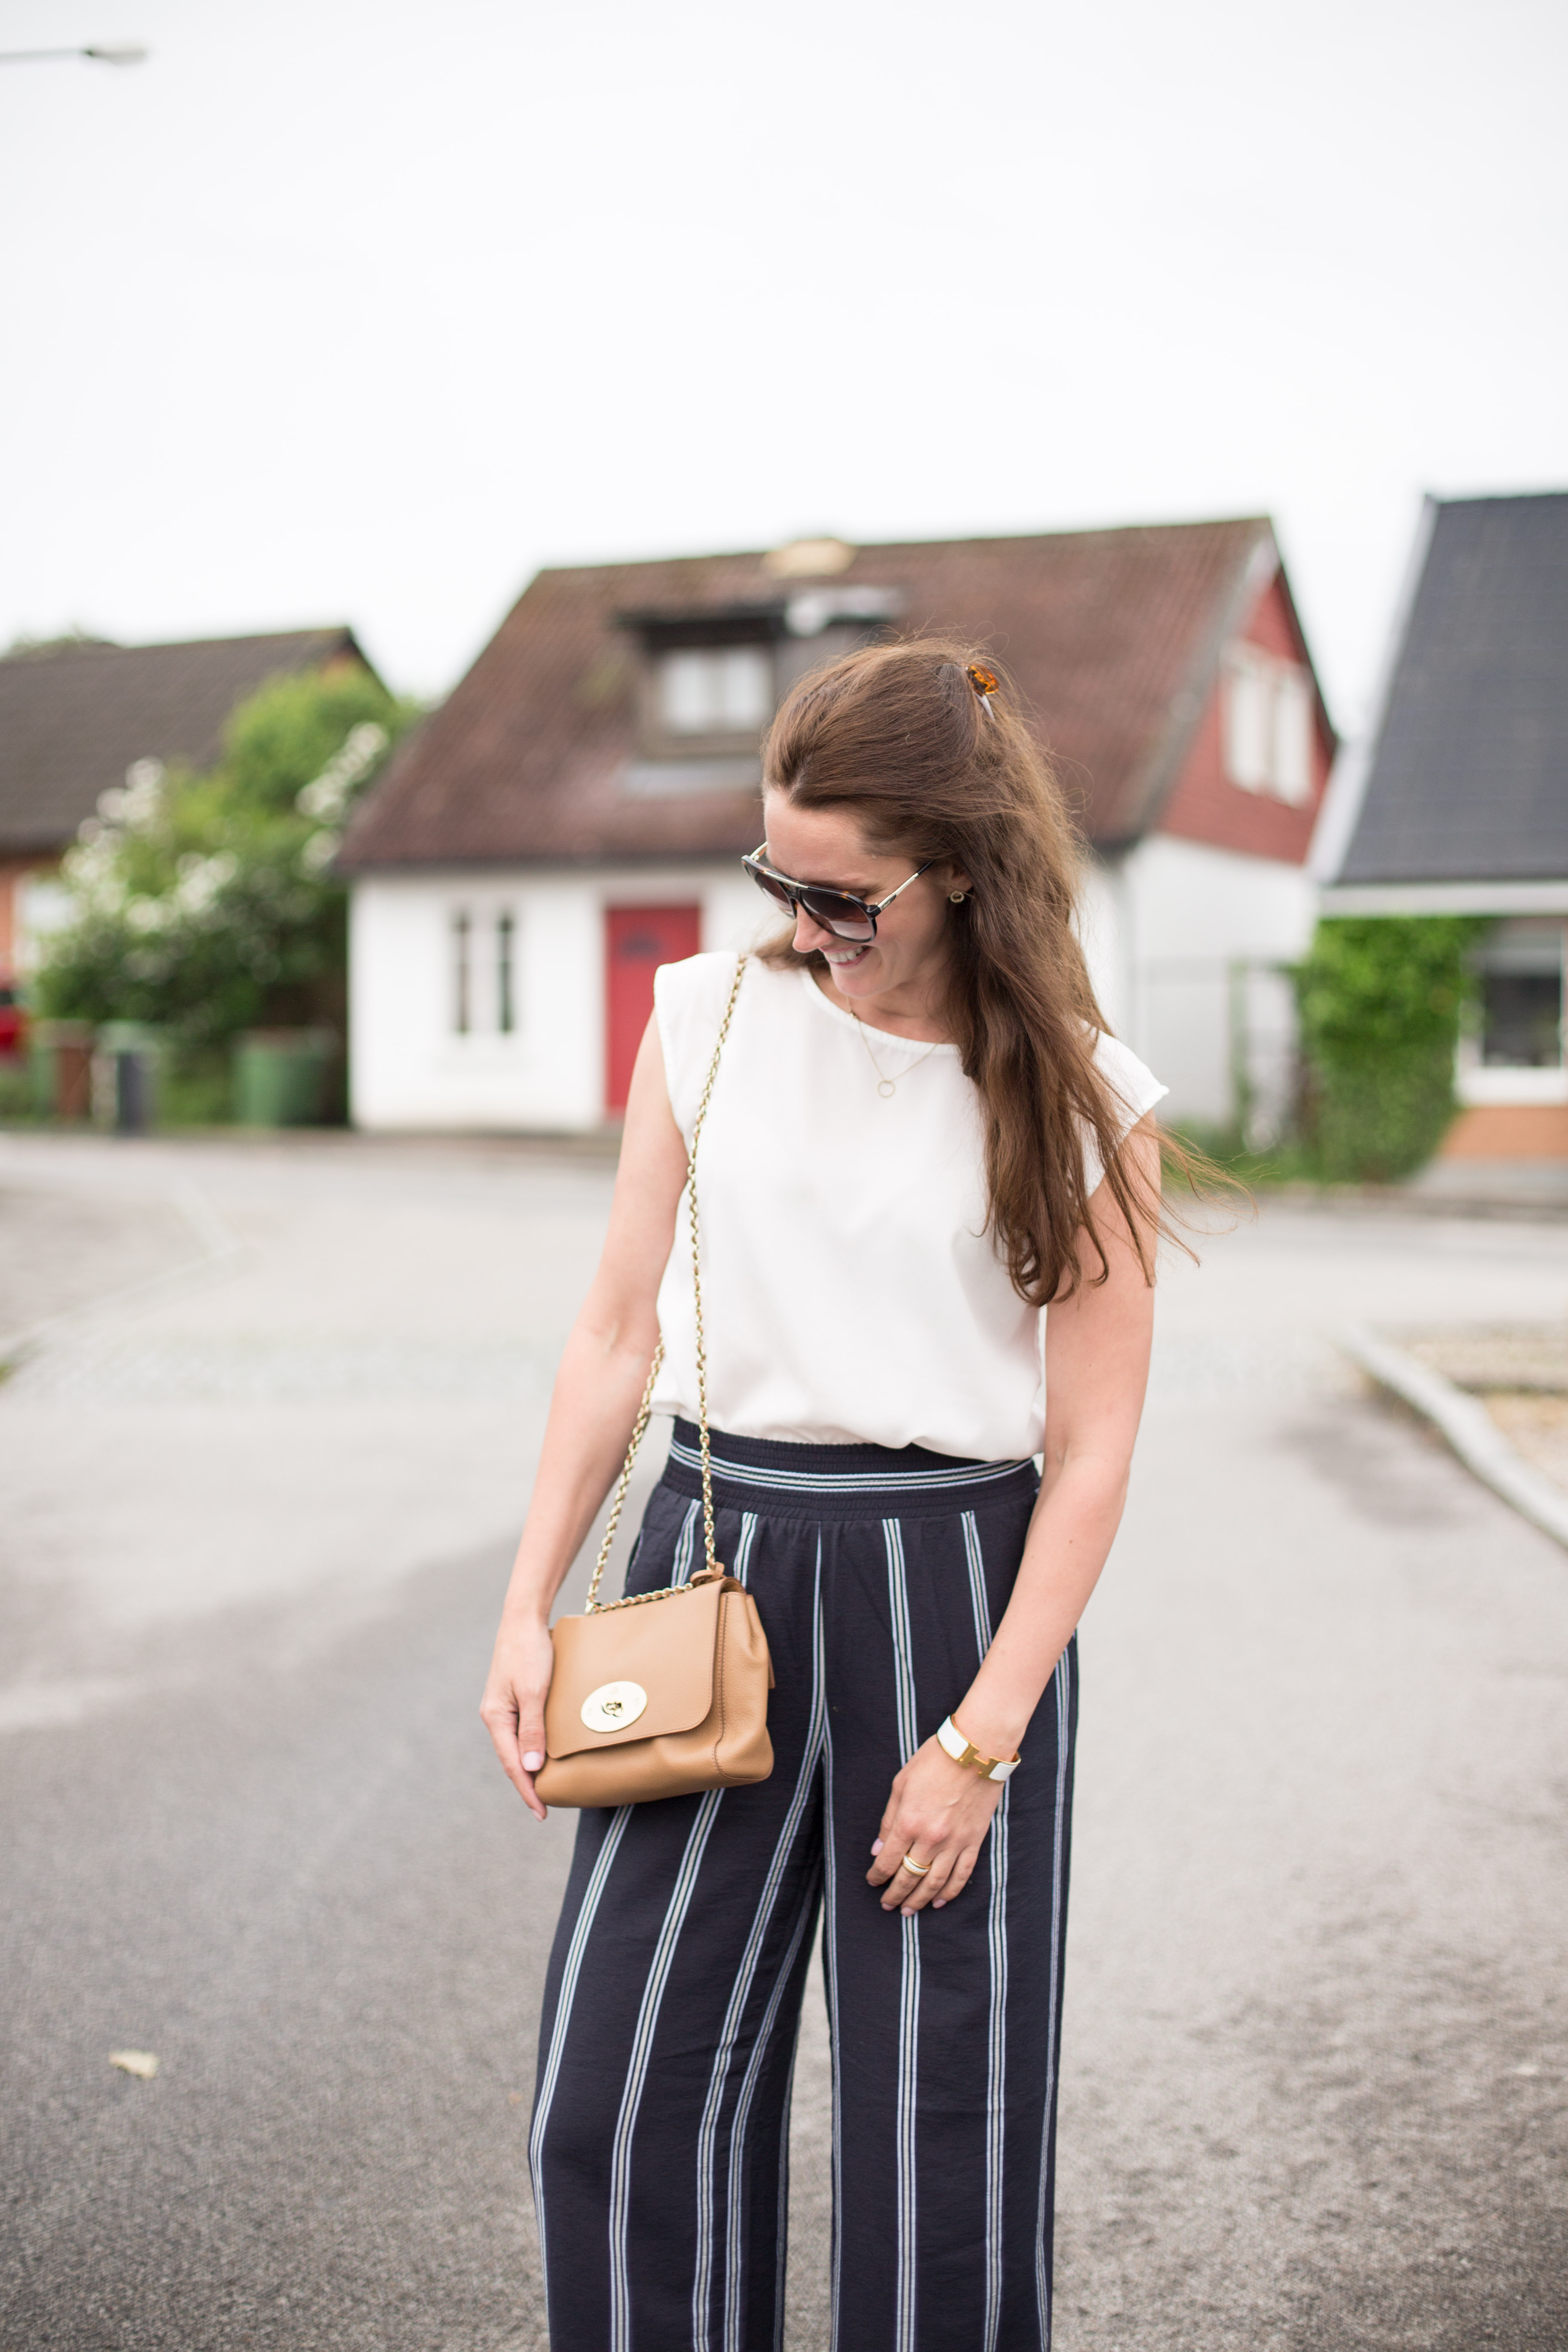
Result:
[1097,1367]
[603,1371]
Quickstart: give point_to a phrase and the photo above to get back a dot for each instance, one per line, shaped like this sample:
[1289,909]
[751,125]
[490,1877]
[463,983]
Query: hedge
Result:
[1380,999]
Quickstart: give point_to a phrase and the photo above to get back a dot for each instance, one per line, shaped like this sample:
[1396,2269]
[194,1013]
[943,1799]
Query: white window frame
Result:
[484,969]
[1481,1082]
[704,691]
[460,970]
[1267,713]
[505,940]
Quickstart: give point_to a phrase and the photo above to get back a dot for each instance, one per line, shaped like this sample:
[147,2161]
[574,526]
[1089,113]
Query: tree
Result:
[206,903]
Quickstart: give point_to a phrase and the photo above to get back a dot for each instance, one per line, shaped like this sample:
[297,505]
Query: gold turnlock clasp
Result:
[612,1706]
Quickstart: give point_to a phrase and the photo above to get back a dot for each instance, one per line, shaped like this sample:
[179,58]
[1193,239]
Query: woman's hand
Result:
[513,1706]
[939,1813]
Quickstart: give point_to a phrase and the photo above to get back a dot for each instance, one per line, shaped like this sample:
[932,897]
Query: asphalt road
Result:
[255,1516]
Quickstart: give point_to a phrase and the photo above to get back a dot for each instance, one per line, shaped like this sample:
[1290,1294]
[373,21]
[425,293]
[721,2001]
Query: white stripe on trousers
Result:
[781,2261]
[636,2074]
[830,1974]
[732,2306]
[997,1939]
[685,1544]
[569,1976]
[1042,2273]
[909,1977]
[647,2015]
[707,2136]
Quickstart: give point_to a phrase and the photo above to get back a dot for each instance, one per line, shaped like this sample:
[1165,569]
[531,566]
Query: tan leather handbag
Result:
[664,1692]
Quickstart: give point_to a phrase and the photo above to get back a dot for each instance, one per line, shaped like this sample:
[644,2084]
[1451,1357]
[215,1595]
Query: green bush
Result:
[15,1090]
[197,1090]
[1379,999]
[205,904]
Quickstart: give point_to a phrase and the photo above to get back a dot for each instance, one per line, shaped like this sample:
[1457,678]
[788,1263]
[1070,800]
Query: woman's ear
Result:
[959,885]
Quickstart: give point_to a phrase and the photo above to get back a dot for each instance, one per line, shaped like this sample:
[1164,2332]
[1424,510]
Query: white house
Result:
[574,814]
[1458,803]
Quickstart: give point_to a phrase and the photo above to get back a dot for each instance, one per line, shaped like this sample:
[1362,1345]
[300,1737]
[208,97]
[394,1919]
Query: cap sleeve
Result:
[1136,1089]
[688,999]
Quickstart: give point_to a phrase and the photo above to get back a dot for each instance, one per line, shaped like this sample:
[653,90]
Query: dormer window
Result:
[708,690]
[1268,725]
[710,679]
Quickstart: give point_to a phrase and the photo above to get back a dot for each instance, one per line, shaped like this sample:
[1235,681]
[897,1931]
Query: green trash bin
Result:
[127,1065]
[281,1076]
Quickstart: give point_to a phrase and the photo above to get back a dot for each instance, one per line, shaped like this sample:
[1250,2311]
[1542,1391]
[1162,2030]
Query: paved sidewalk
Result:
[256,1529]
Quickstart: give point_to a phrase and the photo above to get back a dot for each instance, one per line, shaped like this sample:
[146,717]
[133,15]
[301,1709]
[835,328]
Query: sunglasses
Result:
[838,911]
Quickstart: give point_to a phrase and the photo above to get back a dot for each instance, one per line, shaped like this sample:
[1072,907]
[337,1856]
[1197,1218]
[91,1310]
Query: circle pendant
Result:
[886,1086]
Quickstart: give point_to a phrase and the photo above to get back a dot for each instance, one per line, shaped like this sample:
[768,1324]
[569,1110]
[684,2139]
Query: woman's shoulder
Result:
[688,999]
[697,988]
[1132,1081]
[696,982]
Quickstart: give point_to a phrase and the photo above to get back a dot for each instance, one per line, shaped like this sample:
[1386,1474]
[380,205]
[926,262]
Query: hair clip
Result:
[984,681]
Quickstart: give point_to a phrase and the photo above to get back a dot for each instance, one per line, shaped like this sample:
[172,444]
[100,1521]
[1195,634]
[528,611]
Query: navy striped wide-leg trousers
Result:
[660,2133]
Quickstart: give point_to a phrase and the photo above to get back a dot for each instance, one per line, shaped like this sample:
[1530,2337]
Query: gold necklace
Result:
[886,1086]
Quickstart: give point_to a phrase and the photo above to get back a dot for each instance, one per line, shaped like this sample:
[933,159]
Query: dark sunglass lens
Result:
[838,915]
[775,890]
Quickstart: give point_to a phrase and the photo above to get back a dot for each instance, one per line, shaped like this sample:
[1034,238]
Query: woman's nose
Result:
[808,932]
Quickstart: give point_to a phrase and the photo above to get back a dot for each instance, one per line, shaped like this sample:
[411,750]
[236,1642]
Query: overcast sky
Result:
[363,309]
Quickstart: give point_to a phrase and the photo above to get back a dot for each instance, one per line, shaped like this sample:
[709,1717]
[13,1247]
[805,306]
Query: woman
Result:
[920,1135]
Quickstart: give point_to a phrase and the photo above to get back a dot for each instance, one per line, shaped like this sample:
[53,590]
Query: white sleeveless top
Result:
[850,1292]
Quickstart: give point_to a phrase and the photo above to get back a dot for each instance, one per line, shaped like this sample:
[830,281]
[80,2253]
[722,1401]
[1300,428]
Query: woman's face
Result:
[825,846]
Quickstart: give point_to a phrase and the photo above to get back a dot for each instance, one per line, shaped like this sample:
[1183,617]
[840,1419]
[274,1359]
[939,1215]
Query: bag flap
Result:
[666,1648]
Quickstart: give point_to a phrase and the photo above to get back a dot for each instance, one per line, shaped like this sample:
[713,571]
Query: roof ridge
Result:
[52,648]
[921,546]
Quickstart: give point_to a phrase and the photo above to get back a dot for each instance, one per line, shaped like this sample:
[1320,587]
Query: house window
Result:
[1268,725]
[715,690]
[1520,969]
[506,967]
[462,974]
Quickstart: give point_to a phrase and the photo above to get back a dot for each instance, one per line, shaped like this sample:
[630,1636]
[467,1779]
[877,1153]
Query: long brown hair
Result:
[898,735]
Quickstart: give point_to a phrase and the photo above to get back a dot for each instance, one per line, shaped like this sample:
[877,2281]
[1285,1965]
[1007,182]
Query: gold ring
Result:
[915,1869]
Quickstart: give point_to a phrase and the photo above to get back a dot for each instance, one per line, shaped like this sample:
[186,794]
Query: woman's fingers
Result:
[516,1727]
[939,1816]
[513,1709]
[885,1865]
[958,1877]
[909,1890]
[531,1754]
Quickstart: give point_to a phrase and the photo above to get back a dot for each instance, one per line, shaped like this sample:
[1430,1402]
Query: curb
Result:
[1466,1424]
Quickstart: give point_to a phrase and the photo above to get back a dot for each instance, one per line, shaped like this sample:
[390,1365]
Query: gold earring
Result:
[957,898]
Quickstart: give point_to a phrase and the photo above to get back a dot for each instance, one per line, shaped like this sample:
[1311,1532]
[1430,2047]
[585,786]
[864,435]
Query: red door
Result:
[638,939]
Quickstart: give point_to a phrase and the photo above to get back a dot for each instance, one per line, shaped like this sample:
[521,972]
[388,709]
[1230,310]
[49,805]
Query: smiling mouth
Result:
[847,956]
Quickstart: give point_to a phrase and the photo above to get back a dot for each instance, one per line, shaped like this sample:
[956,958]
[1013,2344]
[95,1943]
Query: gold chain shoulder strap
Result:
[645,1410]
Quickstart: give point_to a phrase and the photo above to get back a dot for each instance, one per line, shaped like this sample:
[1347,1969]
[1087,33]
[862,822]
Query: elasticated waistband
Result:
[841,1482]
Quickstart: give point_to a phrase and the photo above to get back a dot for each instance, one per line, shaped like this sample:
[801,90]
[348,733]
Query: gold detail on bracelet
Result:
[955,1742]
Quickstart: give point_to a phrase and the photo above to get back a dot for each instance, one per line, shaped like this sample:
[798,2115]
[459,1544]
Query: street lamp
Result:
[107,53]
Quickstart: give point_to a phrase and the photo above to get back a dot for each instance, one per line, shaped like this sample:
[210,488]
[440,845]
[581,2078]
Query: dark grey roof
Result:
[74,717]
[1469,777]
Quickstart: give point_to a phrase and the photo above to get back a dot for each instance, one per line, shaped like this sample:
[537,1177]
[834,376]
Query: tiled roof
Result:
[1469,777]
[1113,636]
[74,717]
